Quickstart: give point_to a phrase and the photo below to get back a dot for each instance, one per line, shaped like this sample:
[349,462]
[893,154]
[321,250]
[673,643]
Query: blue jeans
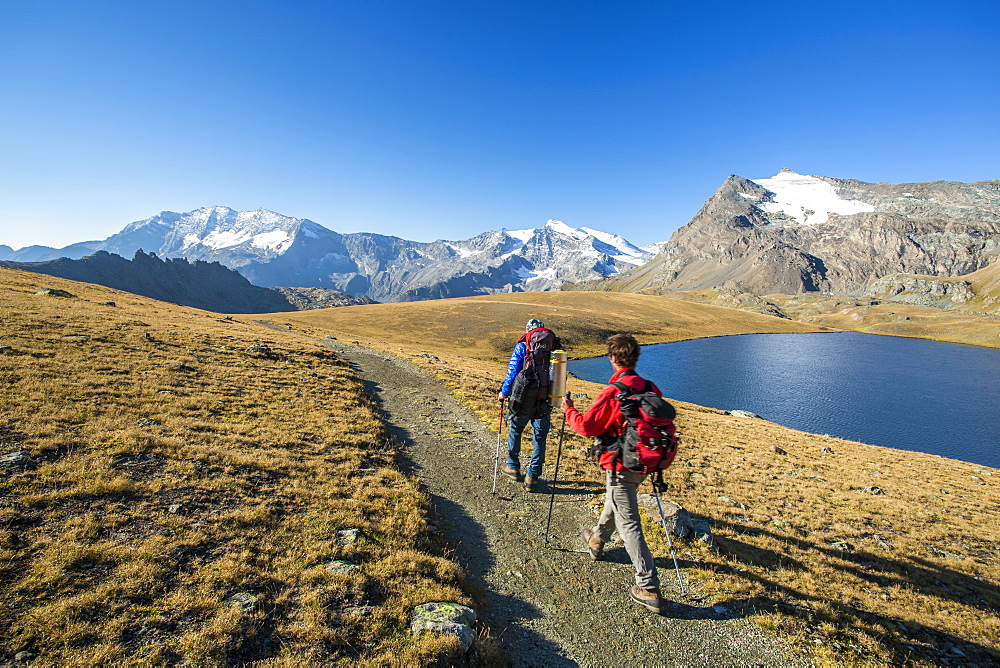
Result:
[540,424]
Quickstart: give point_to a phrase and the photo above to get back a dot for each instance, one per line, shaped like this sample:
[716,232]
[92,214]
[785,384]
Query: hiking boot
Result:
[647,597]
[513,473]
[530,484]
[594,544]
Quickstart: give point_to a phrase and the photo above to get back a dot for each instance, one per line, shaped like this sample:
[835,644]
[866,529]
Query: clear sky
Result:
[431,119]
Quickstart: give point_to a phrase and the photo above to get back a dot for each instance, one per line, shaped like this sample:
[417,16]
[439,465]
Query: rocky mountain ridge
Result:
[793,233]
[270,249]
[204,285]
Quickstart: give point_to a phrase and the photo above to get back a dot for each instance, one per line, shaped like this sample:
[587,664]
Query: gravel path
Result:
[550,605]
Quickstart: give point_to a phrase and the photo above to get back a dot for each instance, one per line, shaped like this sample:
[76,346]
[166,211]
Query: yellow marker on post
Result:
[557,388]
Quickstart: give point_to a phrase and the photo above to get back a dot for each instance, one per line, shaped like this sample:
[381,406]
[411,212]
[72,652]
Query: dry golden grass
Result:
[171,469]
[970,323]
[485,327]
[909,576]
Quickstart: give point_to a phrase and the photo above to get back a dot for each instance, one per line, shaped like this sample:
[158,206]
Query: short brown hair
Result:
[625,349]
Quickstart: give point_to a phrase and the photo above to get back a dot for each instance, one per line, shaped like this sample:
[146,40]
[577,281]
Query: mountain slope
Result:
[793,233]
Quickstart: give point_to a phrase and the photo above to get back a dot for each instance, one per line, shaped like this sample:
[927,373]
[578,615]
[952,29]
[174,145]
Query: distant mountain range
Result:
[793,233]
[204,285]
[274,250]
[789,233]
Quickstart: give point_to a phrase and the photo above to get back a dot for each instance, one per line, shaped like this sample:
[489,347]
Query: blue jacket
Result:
[516,360]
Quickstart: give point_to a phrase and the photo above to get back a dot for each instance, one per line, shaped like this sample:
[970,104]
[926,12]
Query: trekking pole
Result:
[555,479]
[496,462]
[670,542]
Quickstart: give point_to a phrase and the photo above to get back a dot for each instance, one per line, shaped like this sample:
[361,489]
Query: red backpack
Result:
[648,440]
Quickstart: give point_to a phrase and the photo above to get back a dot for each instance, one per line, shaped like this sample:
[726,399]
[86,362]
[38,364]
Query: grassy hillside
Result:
[485,327]
[177,463]
[858,554]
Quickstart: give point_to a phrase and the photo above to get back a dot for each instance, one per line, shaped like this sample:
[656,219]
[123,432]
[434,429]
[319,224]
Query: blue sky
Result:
[436,119]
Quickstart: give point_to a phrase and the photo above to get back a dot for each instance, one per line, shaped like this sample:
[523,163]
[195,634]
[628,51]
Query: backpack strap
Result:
[625,388]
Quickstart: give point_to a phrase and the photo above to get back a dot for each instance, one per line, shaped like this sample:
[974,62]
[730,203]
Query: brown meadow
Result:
[171,469]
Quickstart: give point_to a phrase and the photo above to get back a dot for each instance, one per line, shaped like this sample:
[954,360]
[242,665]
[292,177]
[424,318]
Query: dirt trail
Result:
[549,605]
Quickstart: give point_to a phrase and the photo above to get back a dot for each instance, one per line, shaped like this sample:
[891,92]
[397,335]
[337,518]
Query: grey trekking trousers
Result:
[621,511]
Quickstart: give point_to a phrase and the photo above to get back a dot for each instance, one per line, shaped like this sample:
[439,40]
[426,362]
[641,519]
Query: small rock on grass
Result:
[349,536]
[15,458]
[54,292]
[340,566]
[445,618]
[245,601]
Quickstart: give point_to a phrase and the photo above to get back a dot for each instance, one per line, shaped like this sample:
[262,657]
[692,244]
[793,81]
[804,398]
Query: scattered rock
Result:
[53,292]
[778,450]
[15,459]
[359,610]
[428,356]
[827,451]
[733,502]
[259,349]
[23,657]
[744,414]
[677,517]
[106,304]
[79,338]
[331,337]
[938,552]
[245,601]
[174,508]
[349,536]
[340,566]
[149,422]
[842,545]
[872,490]
[445,618]
[703,532]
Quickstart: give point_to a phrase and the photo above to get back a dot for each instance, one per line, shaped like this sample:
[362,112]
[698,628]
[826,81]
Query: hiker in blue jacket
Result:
[526,386]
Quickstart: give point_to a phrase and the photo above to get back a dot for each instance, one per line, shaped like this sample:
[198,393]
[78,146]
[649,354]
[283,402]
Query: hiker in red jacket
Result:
[621,505]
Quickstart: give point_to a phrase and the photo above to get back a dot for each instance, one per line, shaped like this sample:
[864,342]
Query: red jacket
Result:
[604,417]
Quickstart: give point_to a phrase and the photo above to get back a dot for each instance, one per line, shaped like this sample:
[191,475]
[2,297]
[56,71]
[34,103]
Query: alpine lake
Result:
[910,394]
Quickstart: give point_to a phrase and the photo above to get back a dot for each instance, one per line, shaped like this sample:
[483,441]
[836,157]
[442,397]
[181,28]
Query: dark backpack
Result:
[531,385]
[648,440]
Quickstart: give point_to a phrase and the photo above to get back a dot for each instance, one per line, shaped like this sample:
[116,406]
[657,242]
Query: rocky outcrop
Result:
[304,299]
[745,238]
[921,290]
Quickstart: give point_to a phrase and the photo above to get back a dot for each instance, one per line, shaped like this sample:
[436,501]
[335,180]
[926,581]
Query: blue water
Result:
[911,394]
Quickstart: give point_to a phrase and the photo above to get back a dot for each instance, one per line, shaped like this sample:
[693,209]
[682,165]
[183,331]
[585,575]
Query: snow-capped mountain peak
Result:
[271,249]
[807,199]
